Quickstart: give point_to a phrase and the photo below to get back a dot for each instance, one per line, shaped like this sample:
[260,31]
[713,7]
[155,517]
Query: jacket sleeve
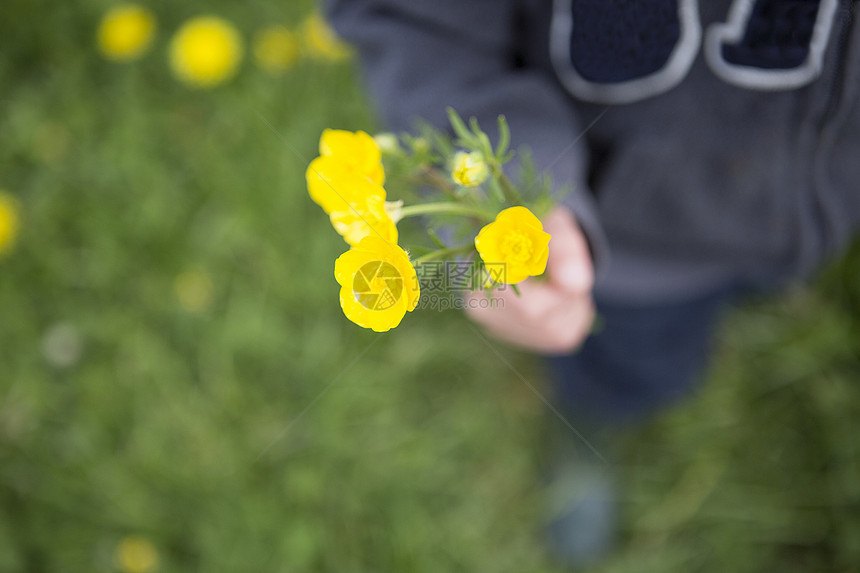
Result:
[421,56]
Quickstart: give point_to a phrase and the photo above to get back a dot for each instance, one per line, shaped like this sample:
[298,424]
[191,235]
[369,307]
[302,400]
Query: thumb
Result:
[569,263]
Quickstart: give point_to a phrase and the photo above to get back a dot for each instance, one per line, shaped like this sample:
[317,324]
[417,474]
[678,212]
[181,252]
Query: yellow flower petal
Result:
[9,222]
[125,32]
[362,219]
[517,241]
[205,52]
[356,152]
[378,284]
[334,187]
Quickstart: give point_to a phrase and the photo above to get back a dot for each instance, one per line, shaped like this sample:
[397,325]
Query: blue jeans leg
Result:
[643,358]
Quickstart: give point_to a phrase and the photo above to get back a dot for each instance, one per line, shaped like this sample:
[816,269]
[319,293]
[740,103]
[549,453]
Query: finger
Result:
[535,301]
[568,328]
[560,334]
[569,263]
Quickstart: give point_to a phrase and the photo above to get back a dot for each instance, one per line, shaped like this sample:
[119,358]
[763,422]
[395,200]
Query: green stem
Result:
[447,207]
[511,193]
[436,177]
[442,253]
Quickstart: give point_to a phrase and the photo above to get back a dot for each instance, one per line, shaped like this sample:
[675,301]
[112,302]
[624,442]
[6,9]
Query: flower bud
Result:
[470,169]
[387,143]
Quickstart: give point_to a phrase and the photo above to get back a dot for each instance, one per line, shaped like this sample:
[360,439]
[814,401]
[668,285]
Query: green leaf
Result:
[435,238]
[504,140]
[459,126]
[481,138]
[496,188]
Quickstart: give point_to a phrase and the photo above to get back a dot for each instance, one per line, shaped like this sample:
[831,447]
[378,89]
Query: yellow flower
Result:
[276,49]
[8,222]
[321,41]
[517,241]
[348,170]
[378,284]
[470,169]
[136,554]
[359,220]
[125,32]
[334,189]
[357,152]
[194,290]
[205,52]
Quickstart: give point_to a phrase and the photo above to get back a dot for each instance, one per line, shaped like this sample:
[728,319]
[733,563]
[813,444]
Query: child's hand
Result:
[550,317]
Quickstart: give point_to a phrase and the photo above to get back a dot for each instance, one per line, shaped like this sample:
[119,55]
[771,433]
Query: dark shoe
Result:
[581,510]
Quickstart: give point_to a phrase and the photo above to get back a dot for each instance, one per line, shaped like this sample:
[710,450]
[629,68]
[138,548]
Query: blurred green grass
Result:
[267,433]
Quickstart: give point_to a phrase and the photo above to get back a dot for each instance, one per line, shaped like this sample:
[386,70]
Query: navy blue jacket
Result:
[706,142]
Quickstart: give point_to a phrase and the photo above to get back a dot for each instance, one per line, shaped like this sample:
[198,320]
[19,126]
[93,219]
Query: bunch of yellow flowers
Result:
[207,51]
[378,279]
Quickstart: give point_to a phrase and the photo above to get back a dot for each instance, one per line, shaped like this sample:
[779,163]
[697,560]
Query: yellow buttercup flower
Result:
[321,41]
[205,52]
[9,220]
[378,284]
[276,49]
[357,152]
[516,239]
[470,169]
[348,170]
[125,32]
[334,189]
[136,554]
[362,219]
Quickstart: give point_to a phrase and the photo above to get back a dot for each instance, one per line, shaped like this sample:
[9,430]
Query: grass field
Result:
[174,365]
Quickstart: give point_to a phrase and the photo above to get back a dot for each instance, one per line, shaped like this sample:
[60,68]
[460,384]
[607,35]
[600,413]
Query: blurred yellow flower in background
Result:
[517,240]
[206,51]
[359,220]
[126,32]
[378,284]
[136,554]
[9,221]
[276,49]
[194,290]
[470,169]
[321,42]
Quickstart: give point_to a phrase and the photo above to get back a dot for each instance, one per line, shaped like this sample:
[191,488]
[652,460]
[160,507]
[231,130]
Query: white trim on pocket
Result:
[760,78]
[667,77]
